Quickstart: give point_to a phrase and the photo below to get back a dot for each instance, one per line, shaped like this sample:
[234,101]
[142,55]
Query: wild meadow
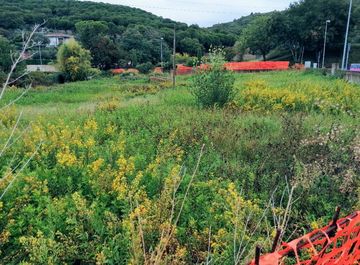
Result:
[131,171]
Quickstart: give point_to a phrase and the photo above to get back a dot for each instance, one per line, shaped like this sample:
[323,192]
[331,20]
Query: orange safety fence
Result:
[183,70]
[238,66]
[233,66]
[122,70]
[158,70]
[257,66]
[338,243]
[118,71]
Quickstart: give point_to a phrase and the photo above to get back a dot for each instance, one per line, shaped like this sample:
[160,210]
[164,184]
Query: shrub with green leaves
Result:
[214,86]
[75,61]
[145,68]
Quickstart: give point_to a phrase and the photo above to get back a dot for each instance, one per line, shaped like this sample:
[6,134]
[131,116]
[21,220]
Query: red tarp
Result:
[320,247]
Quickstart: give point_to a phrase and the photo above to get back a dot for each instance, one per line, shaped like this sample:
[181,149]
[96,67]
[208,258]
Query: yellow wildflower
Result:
[90,125]
[100,258]
[66,158]
[96,165]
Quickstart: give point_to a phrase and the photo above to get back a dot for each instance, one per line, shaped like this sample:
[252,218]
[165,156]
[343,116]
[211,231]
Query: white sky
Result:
[203,12]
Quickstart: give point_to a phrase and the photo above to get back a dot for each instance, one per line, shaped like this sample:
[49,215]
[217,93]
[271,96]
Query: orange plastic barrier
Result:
[158,70]
[321,247]
[183,70]
[257,66]
[238,66]
[122,70]
[117,71]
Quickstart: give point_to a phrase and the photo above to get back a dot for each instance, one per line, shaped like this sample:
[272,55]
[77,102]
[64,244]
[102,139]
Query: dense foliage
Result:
[109,183]
[257,37]
[135,33]
[5,58]
[122,36]
[298,32]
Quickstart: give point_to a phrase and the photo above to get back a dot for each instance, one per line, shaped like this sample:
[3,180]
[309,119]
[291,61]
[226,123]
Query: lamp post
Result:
[161,52]
[346,36]
[324,51]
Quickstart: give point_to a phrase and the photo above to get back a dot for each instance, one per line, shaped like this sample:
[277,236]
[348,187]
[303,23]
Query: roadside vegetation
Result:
[131,171]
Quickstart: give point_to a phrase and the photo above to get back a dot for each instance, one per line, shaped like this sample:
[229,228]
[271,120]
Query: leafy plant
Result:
[214,86]
[75,61]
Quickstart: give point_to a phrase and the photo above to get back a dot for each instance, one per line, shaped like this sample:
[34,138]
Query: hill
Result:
[237,26]
[63,15]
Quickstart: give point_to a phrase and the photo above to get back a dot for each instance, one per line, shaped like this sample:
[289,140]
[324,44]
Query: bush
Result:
[43,79]
[145,68]
[74,61]
[2,77]
[214,86]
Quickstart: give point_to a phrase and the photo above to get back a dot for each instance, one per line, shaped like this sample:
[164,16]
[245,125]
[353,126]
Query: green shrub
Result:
[214,86]
[43,79]
[2,77]
[75,61]
[145,68]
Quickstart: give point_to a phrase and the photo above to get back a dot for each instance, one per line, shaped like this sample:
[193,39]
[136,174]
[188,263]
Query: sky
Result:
[204,13]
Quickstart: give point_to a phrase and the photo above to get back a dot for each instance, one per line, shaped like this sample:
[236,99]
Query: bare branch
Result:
[20,57]
[18,78]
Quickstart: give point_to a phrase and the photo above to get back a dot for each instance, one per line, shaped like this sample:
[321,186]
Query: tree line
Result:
[298,32]
[119,36]
[114,34]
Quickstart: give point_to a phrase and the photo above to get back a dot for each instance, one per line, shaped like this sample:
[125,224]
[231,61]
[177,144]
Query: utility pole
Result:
[174,54]
[346,36]
[324,51]
[40,53]
[347,55]
[161,52]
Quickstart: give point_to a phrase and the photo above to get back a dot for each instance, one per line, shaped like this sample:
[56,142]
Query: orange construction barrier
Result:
[158,70]
[257,66]
[118,71]
[183,70]
[338,243]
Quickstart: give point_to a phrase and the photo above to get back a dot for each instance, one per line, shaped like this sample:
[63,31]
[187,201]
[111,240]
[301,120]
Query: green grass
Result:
[248,157]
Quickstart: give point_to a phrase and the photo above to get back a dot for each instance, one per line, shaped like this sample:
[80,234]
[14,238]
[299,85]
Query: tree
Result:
[287,32]
[74,61]
[94,36]
[5,51]
[300,29]
[257,38]
[89,31]
[191,46]
[143,45]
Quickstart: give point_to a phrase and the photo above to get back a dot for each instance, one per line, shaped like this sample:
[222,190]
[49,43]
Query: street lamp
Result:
[324,51]
[161,54]
[346,36]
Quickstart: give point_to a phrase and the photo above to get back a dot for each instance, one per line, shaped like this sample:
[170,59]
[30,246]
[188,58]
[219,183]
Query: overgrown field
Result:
[134,172]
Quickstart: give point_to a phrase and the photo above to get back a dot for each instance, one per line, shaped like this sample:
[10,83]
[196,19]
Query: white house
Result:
[57,39]
[42,68]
